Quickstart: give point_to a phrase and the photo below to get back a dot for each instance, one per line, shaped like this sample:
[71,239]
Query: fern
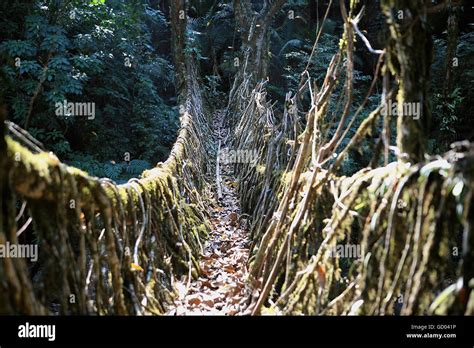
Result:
[113,171]
[136,167]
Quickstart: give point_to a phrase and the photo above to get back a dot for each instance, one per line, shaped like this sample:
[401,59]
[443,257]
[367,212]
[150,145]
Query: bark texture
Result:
[409,60]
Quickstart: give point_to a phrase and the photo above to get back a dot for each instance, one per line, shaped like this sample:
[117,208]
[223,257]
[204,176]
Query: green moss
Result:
[41,178]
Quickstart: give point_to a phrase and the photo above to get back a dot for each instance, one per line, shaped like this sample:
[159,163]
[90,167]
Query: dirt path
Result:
[221,288]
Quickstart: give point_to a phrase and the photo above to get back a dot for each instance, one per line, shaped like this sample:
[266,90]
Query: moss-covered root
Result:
[103,248]
[412,222]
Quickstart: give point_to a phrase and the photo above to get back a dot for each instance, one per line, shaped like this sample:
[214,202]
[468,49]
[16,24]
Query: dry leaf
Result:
[194,300]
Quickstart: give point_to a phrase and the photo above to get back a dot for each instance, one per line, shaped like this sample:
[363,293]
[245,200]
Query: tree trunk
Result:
[255,35]
[178,32]
[409,59]
[452,42]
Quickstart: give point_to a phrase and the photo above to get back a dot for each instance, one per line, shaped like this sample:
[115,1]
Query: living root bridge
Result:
[104,248]
[413,223]
[411,219]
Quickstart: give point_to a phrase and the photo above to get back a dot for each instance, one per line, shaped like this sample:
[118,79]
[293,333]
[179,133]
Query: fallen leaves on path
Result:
[221,288]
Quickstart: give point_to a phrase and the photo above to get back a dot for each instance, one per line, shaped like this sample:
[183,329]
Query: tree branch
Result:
[274,8]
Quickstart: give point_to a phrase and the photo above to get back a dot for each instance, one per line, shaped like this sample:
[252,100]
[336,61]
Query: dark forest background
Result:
[117,54]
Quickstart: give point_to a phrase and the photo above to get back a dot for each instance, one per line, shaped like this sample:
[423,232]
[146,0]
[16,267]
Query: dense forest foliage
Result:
[116,54]
[113,54]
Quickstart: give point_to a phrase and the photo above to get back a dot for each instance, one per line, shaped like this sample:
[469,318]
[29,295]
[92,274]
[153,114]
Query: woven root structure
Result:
[409,223]
[104,248]
[409,226]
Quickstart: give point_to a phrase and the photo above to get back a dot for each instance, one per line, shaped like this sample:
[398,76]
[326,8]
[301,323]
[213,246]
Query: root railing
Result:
[103,248]
[409,226]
